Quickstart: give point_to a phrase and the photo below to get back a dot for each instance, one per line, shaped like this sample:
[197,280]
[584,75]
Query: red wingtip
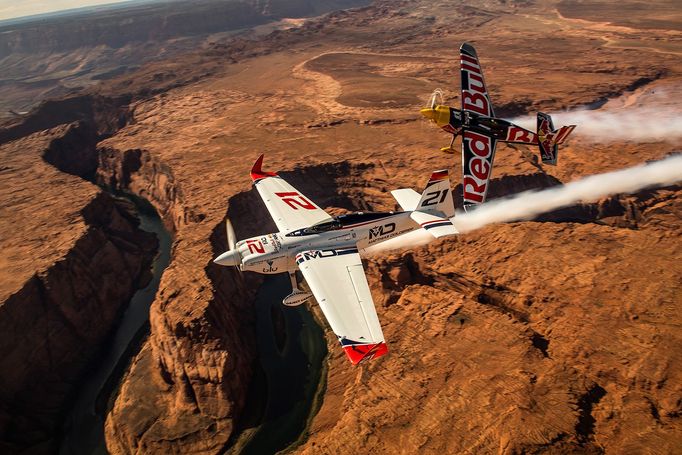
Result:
[257,172]
[439,175]
[359,352]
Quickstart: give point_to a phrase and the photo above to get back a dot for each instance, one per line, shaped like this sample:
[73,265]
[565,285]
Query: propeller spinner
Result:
[436,110]
[231,256]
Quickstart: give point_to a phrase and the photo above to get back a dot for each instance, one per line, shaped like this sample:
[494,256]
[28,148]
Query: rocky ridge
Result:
[65,295]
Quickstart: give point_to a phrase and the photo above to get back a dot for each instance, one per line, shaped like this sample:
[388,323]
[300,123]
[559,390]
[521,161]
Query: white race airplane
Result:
[326,251]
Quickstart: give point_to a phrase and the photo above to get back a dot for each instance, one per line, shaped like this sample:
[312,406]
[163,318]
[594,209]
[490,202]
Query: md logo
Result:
[381,230]
[321,254]
[317,254]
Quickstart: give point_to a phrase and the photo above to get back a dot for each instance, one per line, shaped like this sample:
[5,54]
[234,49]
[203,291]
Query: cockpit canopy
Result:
[317,228]
[339,222]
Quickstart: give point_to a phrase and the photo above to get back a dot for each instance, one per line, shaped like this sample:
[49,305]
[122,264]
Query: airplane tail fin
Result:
[433,208]
[437,196]
[549,139]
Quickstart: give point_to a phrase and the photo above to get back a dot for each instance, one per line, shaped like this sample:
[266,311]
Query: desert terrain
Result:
[557,335]
[47,56]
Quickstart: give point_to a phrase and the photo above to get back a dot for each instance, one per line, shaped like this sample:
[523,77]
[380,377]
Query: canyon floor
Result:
[559,335]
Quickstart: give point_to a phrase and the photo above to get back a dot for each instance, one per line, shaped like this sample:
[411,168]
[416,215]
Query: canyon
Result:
[76,255]
[557,335]
[48,56]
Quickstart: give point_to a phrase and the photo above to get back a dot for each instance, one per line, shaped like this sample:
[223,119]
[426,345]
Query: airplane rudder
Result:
[437,196]
[545,123]
[546,135]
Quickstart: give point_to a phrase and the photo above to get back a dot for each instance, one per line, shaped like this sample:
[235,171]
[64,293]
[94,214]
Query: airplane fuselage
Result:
[455,121]
[278,252]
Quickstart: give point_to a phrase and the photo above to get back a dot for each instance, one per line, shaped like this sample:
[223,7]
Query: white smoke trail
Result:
[529,204]
[636,124]
[653,119]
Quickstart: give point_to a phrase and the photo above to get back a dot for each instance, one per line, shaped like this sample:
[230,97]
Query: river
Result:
[83,432]
[283,393]
[292,349]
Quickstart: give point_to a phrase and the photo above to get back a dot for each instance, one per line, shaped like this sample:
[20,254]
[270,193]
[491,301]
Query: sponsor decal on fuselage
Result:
[380,231]
[276,242]
[321,254]
[378,234]
[389,236]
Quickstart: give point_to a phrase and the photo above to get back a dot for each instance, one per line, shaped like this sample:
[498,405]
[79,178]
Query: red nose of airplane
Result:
[229,258]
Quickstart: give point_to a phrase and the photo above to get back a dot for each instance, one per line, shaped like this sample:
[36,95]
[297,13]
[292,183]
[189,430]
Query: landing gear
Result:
[449,148]
[297,296]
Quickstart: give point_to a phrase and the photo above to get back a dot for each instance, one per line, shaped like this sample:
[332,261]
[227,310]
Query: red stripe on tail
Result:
[439,175]
[563,134]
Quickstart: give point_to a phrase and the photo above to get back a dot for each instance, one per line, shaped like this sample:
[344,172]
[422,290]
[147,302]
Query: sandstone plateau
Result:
[558,335]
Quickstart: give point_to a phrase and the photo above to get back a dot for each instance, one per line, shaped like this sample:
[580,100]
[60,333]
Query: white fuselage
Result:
[277,253]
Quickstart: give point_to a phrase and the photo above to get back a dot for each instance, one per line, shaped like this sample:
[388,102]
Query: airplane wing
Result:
[478,153]
[337,280]
[289,209]
[475,96]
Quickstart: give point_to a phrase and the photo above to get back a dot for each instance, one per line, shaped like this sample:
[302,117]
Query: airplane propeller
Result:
[232,240]
[231,237]
[436,98]
[437,112]
[231,256]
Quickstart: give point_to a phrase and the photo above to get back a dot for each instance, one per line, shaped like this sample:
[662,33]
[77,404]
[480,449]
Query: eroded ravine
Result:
[84,427]
[76,152]
[63,316]
[285,391]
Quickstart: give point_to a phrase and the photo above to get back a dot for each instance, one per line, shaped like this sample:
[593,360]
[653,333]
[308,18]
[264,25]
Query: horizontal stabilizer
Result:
[407,198]
[434,225]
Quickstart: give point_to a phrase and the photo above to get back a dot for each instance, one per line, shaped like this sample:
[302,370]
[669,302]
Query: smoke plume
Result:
[529,204]
[651,119]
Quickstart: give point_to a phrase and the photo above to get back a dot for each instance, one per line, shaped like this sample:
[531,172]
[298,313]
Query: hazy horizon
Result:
[10,9]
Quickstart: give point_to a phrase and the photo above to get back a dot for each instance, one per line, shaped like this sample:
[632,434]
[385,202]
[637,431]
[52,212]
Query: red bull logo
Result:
[474,96]
[517,134]
[478,158]
[546,135]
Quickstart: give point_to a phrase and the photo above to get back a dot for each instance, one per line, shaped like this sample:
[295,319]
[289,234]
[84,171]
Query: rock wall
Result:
[104,114]
[135,171]
[192,374]
[53,327]
[186,389]
[187,386]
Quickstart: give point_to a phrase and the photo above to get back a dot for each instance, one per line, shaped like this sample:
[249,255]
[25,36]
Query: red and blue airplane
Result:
[481,130]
